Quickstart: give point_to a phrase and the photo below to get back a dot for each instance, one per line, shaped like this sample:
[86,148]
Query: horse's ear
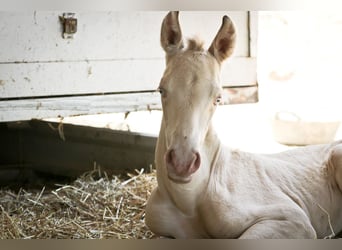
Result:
[171,34]
[223,45]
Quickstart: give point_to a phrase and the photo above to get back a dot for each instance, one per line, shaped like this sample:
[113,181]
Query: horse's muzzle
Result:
[180,167]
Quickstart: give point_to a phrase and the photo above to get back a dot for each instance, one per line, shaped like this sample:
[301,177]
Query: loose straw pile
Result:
[93,206]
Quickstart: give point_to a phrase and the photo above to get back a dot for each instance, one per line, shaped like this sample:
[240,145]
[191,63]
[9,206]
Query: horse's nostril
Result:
[196,163]
[169,156]
[198,160]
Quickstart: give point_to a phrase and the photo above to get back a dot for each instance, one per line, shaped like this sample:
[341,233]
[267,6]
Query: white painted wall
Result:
[111,52]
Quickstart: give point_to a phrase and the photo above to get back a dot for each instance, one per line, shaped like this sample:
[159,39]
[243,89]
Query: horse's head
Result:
[190,91]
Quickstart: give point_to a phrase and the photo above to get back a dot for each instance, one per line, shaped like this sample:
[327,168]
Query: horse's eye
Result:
[161,91]
[218,100]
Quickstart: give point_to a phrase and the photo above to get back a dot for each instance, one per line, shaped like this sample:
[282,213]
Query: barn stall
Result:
[76,92]
[72,166]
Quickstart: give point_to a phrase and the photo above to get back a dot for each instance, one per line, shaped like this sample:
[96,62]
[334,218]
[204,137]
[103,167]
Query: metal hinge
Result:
[69,23]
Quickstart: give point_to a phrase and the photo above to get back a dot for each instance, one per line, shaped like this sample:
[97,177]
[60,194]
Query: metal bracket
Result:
[69,23]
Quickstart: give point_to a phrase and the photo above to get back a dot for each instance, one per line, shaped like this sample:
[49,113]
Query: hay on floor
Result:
[93,206]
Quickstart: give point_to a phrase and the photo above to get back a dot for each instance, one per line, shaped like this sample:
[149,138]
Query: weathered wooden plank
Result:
[37,36]
[49,79]
[240,95]
[39,108]
[111,53]
[253,33]
[46,79]
[70,106]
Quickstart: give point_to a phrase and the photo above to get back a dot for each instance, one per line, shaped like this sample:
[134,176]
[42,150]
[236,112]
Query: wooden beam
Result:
[70,150]
[39,108]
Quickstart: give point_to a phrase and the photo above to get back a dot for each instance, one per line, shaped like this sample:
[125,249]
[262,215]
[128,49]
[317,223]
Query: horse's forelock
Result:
[195,44]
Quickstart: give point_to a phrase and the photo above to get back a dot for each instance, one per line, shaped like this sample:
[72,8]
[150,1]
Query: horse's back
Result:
[309,176]
[318,171]
[317,154]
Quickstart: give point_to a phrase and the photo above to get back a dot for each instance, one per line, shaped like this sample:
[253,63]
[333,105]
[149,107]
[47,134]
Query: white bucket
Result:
[290,129]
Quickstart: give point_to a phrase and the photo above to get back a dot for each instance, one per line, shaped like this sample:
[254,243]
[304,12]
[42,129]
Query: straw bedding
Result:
[92,206]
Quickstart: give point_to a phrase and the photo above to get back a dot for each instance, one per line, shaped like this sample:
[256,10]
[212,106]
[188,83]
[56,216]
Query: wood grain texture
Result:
[39,108]
[112,53]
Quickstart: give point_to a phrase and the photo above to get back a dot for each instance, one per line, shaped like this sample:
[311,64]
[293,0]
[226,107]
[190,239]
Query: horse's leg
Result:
[335,160]
[280,229]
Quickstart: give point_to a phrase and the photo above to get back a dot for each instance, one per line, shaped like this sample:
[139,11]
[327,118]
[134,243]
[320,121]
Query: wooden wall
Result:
[113,63]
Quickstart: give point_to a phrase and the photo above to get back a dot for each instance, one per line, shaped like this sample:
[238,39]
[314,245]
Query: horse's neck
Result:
[212,147]
[188,195]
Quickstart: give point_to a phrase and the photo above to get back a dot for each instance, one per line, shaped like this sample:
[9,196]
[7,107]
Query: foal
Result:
[206,190]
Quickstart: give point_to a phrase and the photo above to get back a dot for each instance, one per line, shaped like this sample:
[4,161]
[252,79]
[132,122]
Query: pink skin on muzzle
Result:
[179,168]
